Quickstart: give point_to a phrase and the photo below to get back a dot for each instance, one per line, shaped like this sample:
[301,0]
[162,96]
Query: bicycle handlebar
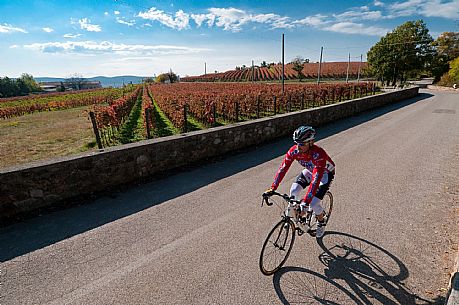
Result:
[284,196]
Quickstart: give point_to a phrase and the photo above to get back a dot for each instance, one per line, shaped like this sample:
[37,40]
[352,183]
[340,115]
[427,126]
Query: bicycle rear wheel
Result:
[277,246]
[327,204]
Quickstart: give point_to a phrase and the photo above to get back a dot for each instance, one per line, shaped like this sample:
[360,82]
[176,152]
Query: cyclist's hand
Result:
[269,192]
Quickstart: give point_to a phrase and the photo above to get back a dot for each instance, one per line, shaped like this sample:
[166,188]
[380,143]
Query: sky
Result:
[146,38]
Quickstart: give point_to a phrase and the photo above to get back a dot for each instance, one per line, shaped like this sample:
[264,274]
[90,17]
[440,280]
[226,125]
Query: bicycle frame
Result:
[290,213]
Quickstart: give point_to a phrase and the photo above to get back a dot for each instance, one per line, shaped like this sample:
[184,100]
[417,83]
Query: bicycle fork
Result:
[281,246]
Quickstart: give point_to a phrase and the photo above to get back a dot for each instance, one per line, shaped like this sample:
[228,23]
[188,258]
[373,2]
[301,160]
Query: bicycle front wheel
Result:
[277,246]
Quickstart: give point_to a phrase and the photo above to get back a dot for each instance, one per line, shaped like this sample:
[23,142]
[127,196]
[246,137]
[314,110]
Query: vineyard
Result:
[42,126]
[184,106]
[17,106]
[330,70]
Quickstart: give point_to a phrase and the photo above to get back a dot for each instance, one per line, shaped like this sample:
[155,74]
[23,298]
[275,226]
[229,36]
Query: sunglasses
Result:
[303,143]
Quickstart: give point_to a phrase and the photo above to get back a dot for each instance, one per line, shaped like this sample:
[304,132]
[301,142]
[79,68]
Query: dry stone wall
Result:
[28,187]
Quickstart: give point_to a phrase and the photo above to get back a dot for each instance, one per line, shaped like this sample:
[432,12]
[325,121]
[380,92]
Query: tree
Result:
[8,87]
[30,85]
[447,45]
[75,81]
[454,71]
[402,53]
[169,77]
[148,80]
[263,64]
[298,65]
[20,86]
[61,88]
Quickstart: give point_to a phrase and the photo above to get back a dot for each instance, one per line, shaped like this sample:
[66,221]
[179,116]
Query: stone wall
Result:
[28,187]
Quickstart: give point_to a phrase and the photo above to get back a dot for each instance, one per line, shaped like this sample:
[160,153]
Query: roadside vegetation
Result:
[410,52]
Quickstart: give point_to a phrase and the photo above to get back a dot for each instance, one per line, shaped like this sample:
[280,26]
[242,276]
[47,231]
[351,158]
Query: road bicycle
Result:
[280,239]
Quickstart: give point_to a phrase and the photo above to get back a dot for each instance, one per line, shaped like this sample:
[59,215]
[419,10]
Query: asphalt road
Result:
[194,237]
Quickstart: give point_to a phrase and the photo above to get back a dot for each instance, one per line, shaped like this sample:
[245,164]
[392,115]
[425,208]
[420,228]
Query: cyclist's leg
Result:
[324,186]
[301,182]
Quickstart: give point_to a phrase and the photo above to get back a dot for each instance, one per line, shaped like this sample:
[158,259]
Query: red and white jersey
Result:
[316,160]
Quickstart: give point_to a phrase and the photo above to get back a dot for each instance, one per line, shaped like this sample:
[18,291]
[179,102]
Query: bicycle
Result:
[282,235]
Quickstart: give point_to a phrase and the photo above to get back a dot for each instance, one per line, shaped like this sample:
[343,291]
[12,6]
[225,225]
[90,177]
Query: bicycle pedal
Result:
[299,231]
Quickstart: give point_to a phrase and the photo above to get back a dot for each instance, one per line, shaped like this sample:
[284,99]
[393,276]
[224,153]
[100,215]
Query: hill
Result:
[115,81]
[333,70]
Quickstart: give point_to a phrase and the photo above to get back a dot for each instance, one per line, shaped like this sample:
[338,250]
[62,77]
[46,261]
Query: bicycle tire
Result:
[282,238]
[327,204]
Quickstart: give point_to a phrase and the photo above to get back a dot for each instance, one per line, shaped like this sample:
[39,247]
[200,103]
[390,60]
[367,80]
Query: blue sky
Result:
[139,37]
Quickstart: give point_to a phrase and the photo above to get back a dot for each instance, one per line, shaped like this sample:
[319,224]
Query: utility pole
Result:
[253,73]
[282,64]
[348,64]
[320,64]
[358,73]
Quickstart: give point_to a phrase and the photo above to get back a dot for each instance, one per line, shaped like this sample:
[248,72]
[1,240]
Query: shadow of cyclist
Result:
[372,273]
[296,285]
[357,272]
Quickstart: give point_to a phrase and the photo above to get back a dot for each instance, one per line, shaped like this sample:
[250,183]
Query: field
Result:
[63,127]
[44,135]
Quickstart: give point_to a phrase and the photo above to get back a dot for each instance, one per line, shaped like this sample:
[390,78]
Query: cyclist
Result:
[318,174]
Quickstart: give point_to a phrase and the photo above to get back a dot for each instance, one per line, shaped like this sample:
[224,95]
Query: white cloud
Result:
[8,28]
[427,8]
[14,46]
[180,22]
[230,19]
[72,35]
[199,18]
[85,24]
[435,8]
[48,30]
[359,15]
[106,13]
[351,21]
[116,12]
[356,28]
[274,20]
[92,47]
[345,22]
[316,20]
[122,21]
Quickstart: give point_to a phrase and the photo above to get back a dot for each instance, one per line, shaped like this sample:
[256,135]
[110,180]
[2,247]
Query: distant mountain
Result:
[116,81]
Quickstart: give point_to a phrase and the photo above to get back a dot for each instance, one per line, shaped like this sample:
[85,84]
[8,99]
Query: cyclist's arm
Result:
[283,168]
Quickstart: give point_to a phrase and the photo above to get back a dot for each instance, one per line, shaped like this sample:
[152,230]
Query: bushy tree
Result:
[169,77]
[447,45]
[298,65]
[20,86]
[402,53]
[454,71]
[148,80]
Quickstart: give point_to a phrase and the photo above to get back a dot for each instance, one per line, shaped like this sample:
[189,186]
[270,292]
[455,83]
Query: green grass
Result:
[193,124]
[130,130]
[162,125]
